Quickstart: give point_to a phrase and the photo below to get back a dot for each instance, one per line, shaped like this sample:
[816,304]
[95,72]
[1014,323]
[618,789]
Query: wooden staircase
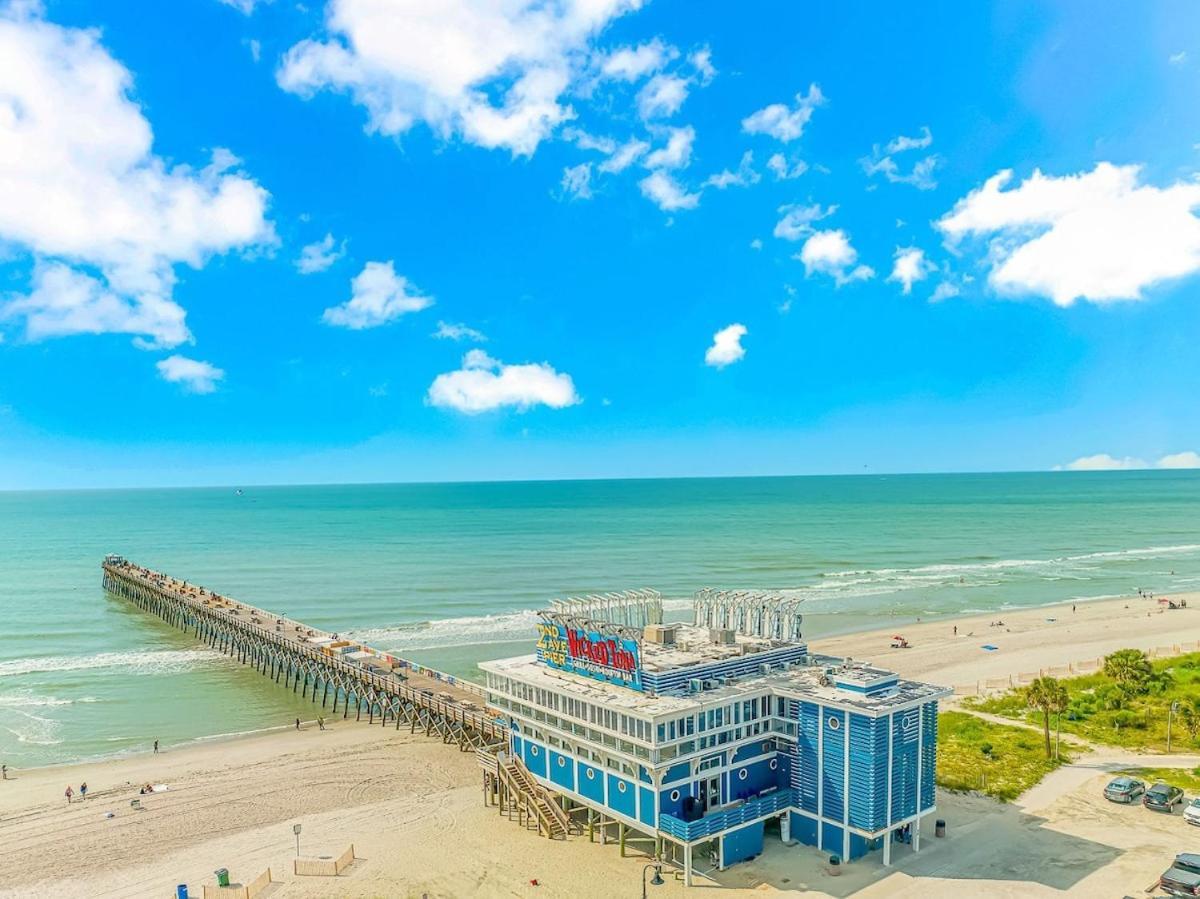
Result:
[516,791]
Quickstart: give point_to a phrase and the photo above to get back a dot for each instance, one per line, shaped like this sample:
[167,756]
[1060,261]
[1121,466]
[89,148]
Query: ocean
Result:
[450,574]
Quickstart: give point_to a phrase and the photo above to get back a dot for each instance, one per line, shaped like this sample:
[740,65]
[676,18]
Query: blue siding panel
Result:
[591,787]
[833,764]
[621,800]
[804,829]
[928,754]
[804,764]
[535,758]
[646,814]
[905,734]
[831,836]
[562,770]
[742,844]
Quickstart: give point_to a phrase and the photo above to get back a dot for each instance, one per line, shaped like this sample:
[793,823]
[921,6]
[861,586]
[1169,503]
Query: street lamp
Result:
[656,880]
[296,831]
[1170,713]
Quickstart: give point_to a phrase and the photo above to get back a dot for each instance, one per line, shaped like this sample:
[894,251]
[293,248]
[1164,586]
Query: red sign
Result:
[606,652]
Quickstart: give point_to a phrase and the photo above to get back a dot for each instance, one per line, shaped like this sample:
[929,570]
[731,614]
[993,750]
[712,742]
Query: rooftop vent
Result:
[663,634]
[722,636]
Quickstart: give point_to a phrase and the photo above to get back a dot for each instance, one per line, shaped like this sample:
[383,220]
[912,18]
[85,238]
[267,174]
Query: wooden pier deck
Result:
[380,685]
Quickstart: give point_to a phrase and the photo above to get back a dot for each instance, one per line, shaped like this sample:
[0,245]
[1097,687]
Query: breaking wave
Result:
[163,661]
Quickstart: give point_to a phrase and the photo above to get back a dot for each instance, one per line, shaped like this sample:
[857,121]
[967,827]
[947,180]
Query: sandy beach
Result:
[412,806]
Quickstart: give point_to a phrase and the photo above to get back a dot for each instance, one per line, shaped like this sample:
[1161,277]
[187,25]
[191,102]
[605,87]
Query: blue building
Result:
[710,735]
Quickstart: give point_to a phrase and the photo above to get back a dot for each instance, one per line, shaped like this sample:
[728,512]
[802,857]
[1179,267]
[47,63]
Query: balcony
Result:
[728,817]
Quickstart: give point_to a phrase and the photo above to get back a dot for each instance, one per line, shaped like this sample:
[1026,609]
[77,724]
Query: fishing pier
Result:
[314,663]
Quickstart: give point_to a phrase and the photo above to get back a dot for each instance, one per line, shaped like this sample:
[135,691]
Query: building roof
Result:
[803,682]
[694,646]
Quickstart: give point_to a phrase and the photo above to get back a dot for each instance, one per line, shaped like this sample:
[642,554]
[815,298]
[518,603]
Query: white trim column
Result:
[687,864]
[845,788]
[820,777]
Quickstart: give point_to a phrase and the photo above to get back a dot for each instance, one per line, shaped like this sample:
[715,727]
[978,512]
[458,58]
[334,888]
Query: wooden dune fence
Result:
[241,891]
[324,867]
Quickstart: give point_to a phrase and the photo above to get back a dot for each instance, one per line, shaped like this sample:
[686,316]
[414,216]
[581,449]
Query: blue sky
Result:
[663,238]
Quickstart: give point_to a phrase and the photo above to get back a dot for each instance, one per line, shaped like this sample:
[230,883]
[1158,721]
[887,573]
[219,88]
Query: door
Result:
[713,793]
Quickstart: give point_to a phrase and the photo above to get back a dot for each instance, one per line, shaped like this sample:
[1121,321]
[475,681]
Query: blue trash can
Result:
[181,891]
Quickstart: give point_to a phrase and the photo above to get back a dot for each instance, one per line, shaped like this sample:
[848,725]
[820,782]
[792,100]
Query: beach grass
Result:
[1187,779]
[1102,711]
[998,760]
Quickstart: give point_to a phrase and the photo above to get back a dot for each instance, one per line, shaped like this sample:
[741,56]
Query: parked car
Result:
[1191,814]
[1183,877]
[1124,789]
[1162,798]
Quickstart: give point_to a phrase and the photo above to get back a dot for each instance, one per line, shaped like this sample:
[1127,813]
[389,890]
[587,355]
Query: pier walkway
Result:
[312,661]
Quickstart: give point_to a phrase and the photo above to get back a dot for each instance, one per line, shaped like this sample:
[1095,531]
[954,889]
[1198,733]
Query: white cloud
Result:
[105,220]
[492,73]
[667,193]
[1177,59]
[701,61]
[797,221]
[255,49]
[830,253]
[484,384]
[1098,235]
[1104,462]
[624,156]
[944,291]
[756,244]
[195,376]
[1187,459]
[318,256]
[743,177]
[458,331]
[782,122]
[662,96]
[378,296]
[880,162]
[676,153]
[910,266]
[634,63]
[245,7]
[577,181]
[726,346]
[779,167]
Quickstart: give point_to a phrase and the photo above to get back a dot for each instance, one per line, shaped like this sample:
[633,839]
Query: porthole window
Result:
[743,774]
[766,746]
[774,764]
[834,722]
[620,786]
[591,774]
[674,795]
[562,762]
[533,750]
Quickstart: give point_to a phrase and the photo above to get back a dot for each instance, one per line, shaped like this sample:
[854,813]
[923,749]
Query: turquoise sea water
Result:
[450,573]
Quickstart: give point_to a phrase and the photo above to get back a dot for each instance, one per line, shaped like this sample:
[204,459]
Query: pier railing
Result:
[411,694]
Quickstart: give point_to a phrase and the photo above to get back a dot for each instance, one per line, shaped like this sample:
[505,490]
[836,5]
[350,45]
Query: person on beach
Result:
[956,630]
[297,724]
[4,771]
[83,791]
[156,745]
[320,722]
[68,792]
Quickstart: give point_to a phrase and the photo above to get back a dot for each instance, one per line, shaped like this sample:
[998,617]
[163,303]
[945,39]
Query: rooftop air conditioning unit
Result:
[695,685]
[721,635]
[766,667]
[661,633]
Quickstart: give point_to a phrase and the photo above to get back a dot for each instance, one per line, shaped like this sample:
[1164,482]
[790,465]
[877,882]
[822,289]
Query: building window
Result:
[743,774]
[674,795]
[533,750]
[620,786]
[591,775]
[834,722]
[774,764]
[562,762]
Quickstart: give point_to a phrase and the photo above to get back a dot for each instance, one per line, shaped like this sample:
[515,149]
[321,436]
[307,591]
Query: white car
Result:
[1191,812]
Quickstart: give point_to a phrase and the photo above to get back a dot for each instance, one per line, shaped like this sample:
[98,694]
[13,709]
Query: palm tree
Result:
[1049,695]
[1129,668]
